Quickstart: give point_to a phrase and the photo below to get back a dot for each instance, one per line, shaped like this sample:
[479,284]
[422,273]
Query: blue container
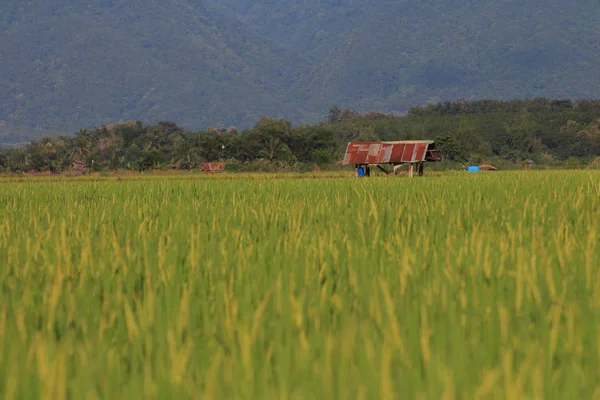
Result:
[360,171]
[473,169]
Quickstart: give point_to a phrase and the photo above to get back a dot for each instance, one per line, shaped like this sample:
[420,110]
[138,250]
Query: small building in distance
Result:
[363,155]
[212,167]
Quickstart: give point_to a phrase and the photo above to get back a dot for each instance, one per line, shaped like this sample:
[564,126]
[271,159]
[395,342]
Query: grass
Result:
[458,286]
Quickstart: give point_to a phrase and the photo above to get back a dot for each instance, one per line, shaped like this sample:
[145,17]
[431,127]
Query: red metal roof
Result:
[212,167]
[390,152]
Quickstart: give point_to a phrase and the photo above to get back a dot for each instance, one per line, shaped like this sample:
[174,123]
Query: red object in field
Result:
[487,167]
[406,151]
[213,167]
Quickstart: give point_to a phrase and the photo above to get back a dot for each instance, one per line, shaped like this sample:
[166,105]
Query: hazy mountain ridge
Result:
[71,64]
[126,60]
[400,53]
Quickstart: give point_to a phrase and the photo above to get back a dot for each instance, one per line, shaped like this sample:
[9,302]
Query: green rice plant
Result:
[453,286]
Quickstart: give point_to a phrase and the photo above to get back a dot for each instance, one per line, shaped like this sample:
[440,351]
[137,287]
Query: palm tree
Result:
[273,145]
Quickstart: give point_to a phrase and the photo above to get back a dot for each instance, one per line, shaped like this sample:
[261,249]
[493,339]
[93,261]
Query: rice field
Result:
[459,286]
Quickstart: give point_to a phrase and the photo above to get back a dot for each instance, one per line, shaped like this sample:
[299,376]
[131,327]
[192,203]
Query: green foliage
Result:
[322,156]
[449,148]
[573,163]
[508,133]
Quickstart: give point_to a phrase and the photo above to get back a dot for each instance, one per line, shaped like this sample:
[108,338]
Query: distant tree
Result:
[539,129]
[151,159]
[322,156]
[334,114]
[349,115]
[273,127]
[274,148]
[520,134]
[464,106]
[449,148]
[588,106]
[3,160]
[374,115]
[271,137]
[42,155]
[366,134]
[17,160]
[212,129]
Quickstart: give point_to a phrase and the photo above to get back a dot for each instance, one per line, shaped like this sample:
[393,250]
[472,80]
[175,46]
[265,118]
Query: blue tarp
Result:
[473,168]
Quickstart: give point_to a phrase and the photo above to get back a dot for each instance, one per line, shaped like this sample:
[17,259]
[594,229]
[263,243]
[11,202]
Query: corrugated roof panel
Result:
[386,152]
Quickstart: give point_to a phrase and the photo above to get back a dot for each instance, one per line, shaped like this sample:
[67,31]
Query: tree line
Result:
[541,130]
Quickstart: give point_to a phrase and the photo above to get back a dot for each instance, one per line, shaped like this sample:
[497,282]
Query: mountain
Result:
[312,28]
[408,52]
[77,63]
[67,64]
[390,55]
